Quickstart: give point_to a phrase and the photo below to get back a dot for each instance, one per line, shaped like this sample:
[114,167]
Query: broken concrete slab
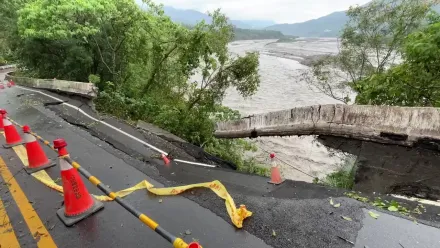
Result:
[405,126]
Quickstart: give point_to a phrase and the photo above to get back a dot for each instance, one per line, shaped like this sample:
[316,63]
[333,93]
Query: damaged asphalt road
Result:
[294,214]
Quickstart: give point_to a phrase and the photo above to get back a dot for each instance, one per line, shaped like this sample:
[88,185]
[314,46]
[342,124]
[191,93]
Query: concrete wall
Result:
[87,90]
[384,124]
[7,67]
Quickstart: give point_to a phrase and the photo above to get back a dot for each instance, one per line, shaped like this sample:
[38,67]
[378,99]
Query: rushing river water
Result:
[282,88]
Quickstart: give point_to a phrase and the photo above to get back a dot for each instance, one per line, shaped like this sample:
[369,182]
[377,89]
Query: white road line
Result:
[415,199]
[115,128]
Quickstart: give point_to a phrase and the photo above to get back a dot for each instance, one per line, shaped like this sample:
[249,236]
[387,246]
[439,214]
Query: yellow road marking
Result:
[7,234]
[33,221]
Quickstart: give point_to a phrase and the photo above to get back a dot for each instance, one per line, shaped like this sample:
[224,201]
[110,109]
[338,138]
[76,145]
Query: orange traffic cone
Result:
[12,136]
[275,177]
[9,84]
[78,203]
[36,156]
[166,160]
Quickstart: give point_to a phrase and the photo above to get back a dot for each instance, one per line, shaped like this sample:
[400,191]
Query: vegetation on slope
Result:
[377,37]
[143,63]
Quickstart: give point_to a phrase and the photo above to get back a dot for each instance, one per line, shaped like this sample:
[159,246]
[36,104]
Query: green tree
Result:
[370,43]
[63,19]
[8,28]
[146,66]
[415,82]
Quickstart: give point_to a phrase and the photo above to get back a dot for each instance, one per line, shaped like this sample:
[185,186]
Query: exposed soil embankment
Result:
[392,169]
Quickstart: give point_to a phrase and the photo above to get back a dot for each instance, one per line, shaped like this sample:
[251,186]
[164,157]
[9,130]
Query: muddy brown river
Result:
[282,88]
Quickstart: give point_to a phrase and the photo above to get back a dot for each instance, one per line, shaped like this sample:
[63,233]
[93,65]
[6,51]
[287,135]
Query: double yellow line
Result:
[8,239]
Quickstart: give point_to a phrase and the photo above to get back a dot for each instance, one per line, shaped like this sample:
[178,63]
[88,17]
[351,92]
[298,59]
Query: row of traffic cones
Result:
[36,156]
[9,84]
[78,203]
[39,161]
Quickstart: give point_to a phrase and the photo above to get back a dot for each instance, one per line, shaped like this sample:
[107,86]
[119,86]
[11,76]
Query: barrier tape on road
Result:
[237,215]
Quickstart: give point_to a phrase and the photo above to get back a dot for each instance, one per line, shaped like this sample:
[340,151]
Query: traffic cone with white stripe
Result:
[165,159]
[275,177]
[78,203]
[36,156]
[12,136]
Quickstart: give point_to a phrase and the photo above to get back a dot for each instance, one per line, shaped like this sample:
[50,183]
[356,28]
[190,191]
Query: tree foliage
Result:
[146,66]
[415,82]
[369,44]
[63,19]
[8,28]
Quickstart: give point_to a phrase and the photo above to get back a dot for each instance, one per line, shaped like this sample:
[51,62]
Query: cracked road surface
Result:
[294,214]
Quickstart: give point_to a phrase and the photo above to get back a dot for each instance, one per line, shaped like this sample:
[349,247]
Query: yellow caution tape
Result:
[43,177]
[237,215]
[124,192]
[22,154]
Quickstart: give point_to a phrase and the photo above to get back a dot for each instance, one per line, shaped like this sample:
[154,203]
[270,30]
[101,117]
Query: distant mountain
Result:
[186,16]
[243,29]
[326,26]
[191,17]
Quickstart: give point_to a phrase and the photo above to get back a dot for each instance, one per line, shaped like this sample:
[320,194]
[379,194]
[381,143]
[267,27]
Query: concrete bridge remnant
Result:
[406,126]
[398,148]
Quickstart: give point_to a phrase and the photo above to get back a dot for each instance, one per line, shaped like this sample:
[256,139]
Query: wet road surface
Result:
[298,213]
[114,226]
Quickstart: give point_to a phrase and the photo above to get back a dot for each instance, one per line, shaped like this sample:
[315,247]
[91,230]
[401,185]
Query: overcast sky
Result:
[280,11]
